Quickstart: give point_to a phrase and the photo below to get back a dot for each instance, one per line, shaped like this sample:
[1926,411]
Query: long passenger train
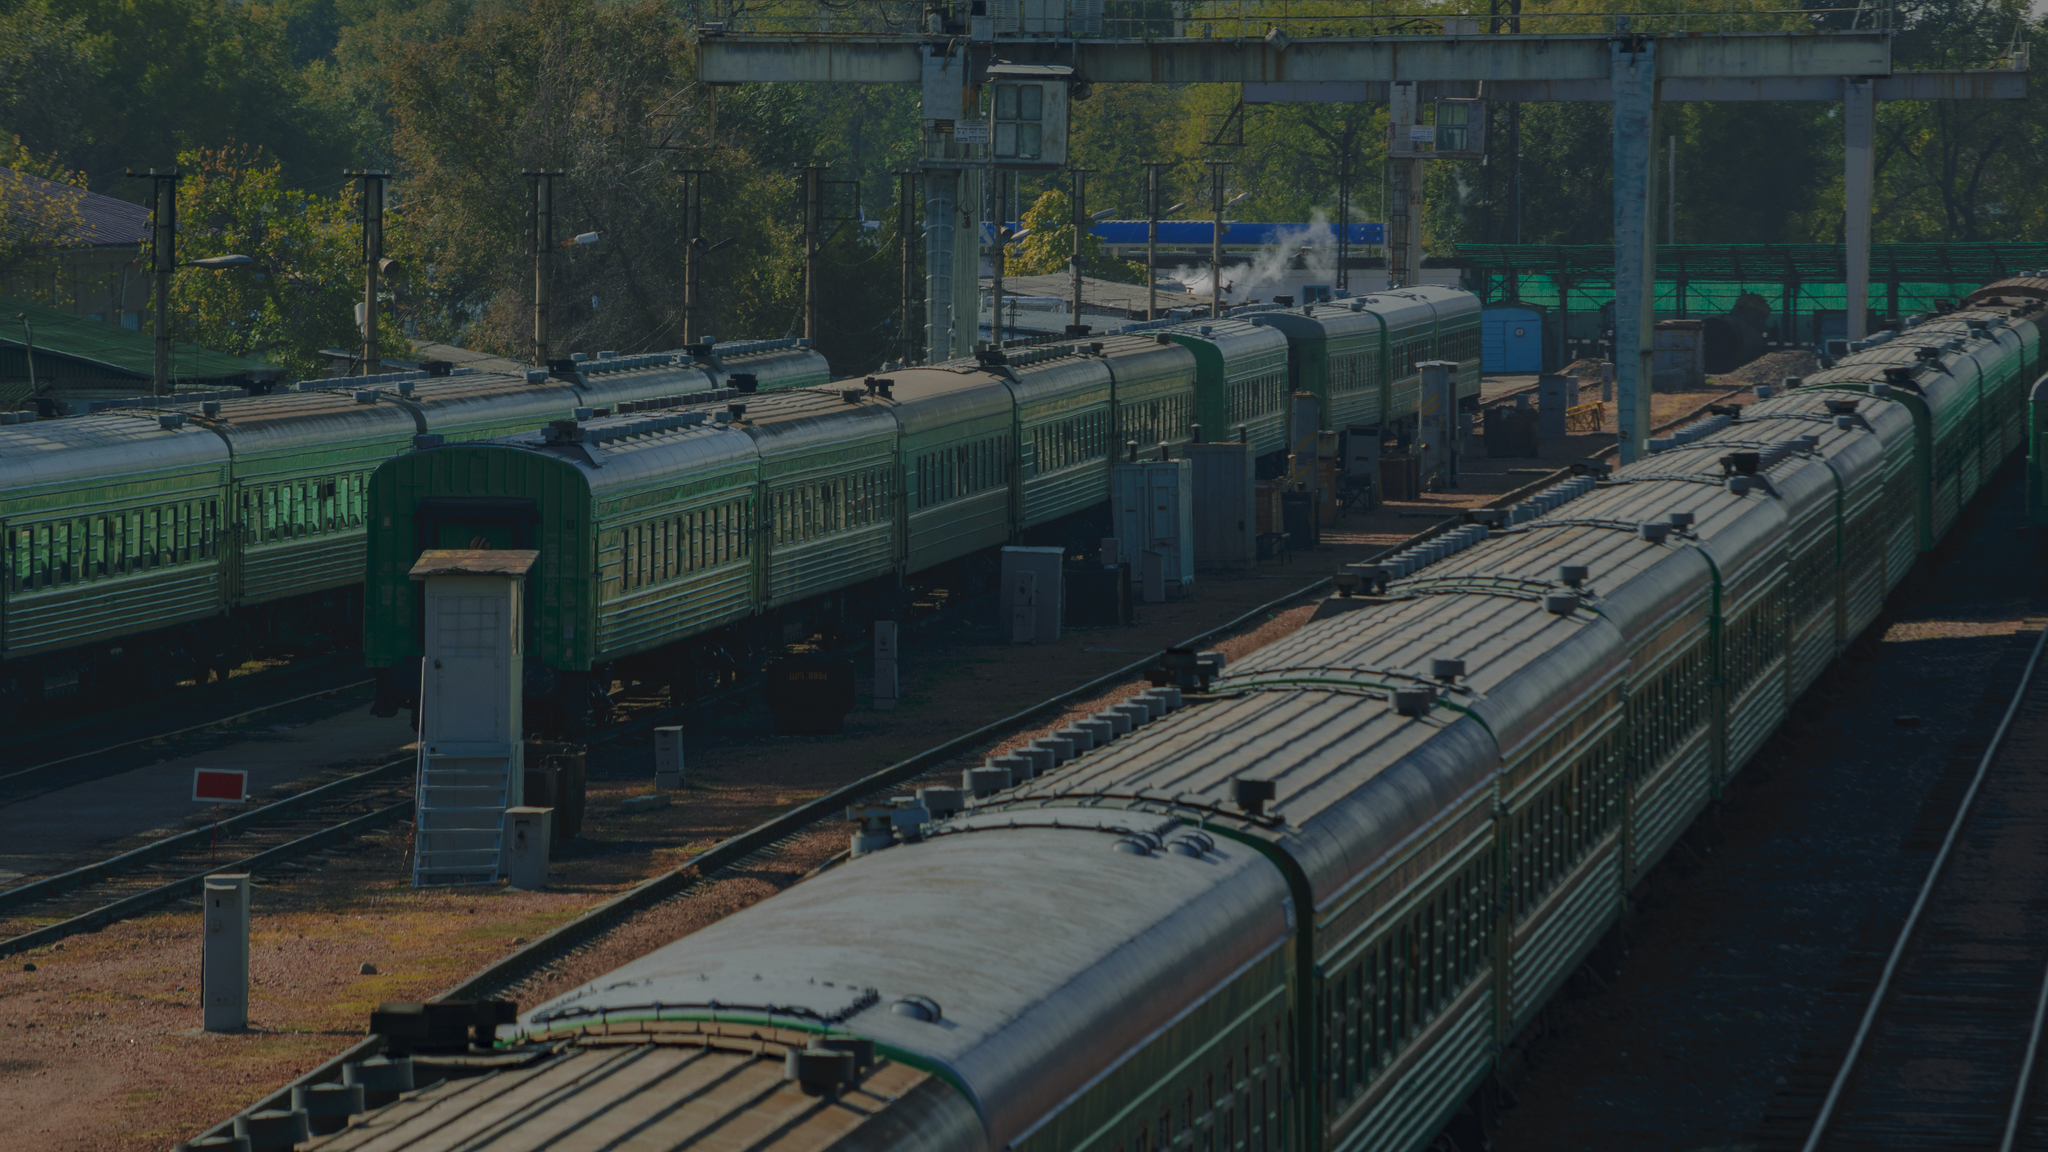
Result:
[1310,906]
[156,542]
[683,548]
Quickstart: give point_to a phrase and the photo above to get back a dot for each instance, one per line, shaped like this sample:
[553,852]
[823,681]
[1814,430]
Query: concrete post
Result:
[1859,110]
[668,758]
[886,688]
[224,979]
[1633,72]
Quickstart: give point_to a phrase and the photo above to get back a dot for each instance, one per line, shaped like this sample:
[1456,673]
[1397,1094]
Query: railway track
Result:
[1948,1050]
[280,834]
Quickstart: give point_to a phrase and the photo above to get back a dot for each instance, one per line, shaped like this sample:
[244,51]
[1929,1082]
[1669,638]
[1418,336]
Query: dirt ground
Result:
[103,1048]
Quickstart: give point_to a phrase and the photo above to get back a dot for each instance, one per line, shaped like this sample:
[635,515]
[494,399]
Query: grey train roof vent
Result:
[819,1071]
[1413,701]
[918,1008]
[366,395]
[1133,846]
[1561,603]
[1740,485]
[1845,423]
[1680,520]
[170,421]
[1653,532]
[861,1049]
[1840,406]
[1252,795]
[1447,670]
[1193,845]
[209,408]
[1572,575]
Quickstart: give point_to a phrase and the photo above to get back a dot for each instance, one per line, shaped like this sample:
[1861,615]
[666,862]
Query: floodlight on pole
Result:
[581,239]
[1105,214]
[1172,208]
[217,263]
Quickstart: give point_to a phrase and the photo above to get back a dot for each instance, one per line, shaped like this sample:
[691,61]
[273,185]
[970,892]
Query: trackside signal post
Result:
[471,765]
[1632,68]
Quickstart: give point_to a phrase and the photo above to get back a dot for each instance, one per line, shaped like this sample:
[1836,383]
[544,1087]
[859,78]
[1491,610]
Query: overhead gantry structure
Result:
[1631,70]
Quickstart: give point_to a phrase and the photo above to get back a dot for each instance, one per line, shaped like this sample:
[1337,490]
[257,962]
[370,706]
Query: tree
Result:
[300,295]
[1048,246]
[41,214]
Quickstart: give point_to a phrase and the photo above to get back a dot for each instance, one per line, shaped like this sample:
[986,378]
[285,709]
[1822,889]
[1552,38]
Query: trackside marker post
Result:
[218,786]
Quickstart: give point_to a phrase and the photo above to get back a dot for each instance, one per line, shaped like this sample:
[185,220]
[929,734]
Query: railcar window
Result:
[1350,373]
[1076,440]
[955,473]
[670,547]
[813,509]
[1248,400]
[73,550]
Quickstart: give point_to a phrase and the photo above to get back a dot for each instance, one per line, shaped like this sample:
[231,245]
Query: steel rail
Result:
[1891,964]
[2019,1094]
[522,963]
[52,885]
[108,913]
[181,731]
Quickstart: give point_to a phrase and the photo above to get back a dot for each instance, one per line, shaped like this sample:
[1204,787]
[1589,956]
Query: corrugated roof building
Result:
[77,359]
[101,267]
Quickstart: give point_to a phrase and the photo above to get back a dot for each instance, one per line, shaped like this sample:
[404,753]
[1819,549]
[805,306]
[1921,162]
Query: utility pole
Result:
[1076,328]
[814,211]
[1216,168]
[542,184]
[997,179]
[163,260]
[1152,168]
[373,261]
[693,246]
[906,228]
[1342,284]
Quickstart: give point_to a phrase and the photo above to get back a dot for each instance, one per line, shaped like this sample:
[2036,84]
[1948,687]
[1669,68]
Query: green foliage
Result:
[300,295]
[458,97]
[1048,246]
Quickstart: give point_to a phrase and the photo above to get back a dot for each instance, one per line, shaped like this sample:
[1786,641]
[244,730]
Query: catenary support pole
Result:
[1152,168]
[693,247]
[1633,67]
[542,211]
[814,226]
[163,260]
[907,239]
[1081,222]
[1859,107]
[1216,239]
[373,259]
[998,226]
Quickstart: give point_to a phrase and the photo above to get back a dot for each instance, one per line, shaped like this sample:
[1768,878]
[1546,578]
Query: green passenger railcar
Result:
[957,435]
[1336,352]
[113,526]
[1065,426]
[1240,379]
[1154,381]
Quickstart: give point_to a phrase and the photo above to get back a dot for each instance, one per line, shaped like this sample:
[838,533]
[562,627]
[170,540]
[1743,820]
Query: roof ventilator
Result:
[1414,701]
[1252,795]
[1447,670]
[1680,521]
[1572,575]
[1560,603]
[1653,532]
[819,1071]
[170,421]
[1193,845]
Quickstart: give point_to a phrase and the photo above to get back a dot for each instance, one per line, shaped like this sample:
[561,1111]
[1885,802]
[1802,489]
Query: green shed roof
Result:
[113,347]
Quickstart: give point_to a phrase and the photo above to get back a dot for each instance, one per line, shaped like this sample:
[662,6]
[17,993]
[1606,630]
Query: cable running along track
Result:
[1948,1051]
